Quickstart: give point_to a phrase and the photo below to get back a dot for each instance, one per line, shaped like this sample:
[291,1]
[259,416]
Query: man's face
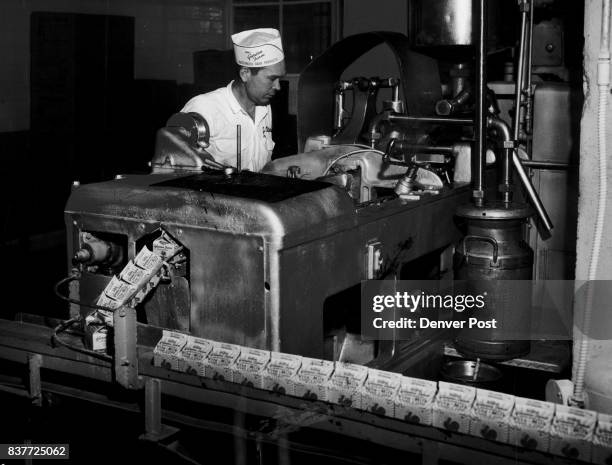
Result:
[261,87]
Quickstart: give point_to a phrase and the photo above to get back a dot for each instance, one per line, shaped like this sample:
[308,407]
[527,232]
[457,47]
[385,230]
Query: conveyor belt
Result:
[285,414]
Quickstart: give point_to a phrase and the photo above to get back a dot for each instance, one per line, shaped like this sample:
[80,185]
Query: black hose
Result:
[68,279]
[63,326]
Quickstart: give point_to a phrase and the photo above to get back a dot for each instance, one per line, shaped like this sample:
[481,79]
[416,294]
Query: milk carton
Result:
[312,378]
[249,367]
[453,407]
[167,350]
[192,357]
[378,392]
[530,424]
[147,260]
[107,302]
[119,290]
[491,415]
[133,274]
[220,360]
[280,373]
[571,432]
[164,246]
[96,337]
[414,400]
[602,440]
[344,386]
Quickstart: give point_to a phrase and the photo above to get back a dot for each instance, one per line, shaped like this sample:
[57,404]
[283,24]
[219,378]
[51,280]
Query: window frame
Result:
[335,20]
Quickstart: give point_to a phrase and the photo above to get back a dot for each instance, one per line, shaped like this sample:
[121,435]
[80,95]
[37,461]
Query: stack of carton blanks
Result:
[571,432]
[167,351]
[249,367]
[530,423]
[452,407]
[220,361]
[312,378]
[279,374]
[344,386]
[491,415]
[602,440]
[193,355]
[378,392]
[414,400]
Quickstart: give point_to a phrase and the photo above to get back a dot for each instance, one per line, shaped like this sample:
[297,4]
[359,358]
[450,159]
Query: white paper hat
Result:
[258,47]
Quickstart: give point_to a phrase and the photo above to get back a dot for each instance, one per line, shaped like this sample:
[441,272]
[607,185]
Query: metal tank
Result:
[494,260]
[449,23]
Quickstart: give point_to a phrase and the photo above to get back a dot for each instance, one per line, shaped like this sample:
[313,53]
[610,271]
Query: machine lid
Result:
[495,211]
[246,184]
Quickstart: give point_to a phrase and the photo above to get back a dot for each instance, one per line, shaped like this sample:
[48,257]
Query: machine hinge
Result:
[373,259]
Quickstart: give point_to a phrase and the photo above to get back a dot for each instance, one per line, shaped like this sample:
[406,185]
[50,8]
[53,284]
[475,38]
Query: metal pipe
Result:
[518,91]
[339,109]
[478,189]
[529,109]
[238,148]
[503,131]
[546,165]
[447,107]
[531,192]
[153,413]
[428,148]
[431,119]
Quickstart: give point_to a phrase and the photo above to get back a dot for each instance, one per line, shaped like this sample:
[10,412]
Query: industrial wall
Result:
[167,32]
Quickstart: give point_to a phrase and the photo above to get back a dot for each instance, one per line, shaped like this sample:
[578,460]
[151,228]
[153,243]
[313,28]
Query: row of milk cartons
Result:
[532,424]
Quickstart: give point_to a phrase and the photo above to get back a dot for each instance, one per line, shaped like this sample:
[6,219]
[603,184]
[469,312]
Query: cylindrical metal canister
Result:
[448,23]
[494,261]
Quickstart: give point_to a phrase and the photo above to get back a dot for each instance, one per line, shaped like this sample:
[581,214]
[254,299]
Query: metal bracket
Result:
[155,430]
[34,387]
[126,356]
[373,259]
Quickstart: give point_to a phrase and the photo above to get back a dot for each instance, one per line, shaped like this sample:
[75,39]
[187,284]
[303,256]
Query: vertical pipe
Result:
[481,79]
[35,362]
[518,92]
[153,419]
[238,148]
[506,185]
[529,109]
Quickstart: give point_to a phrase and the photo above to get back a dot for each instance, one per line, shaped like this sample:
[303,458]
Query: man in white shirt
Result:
[245,101]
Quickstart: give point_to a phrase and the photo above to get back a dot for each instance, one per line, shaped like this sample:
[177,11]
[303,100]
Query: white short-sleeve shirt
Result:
[223,113]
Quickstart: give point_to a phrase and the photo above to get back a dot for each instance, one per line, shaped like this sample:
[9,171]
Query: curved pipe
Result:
[503,130]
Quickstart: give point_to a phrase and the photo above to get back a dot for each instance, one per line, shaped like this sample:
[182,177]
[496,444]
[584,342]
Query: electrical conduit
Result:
[603,84]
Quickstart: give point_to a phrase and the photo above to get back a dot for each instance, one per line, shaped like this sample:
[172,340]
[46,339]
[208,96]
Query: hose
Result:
[63,326]
[603,84]
[68,279]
